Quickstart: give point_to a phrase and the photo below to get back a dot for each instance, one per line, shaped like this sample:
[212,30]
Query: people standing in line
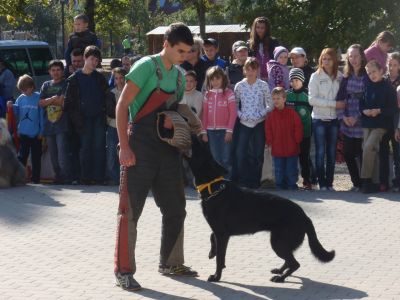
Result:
[254,102]
[262,44]
[195,63]
[323,87]
[85,102]
[219,116]
[112,166]
[298,58]
[56,125]
[284,133]
[351,91]
[80,38]
[378,108]
[297,98]
[192,97]
[393,76]
[153,85]
[240,53]
[278,71]
[380,47]
[30,125]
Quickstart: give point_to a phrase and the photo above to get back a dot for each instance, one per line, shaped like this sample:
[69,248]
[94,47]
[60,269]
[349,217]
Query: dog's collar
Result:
[202,187]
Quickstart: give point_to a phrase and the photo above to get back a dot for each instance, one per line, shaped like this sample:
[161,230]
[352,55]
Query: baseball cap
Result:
[239,45]
[211,41]
[298,51]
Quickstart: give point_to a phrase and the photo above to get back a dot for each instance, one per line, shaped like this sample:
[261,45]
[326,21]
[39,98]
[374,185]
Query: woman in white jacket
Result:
[323,87]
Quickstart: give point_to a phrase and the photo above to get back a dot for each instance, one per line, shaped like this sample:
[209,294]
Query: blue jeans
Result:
[249,155]
[286,172]
[220,150]
[92,152]
[113,168]
[59,150]
[325,135]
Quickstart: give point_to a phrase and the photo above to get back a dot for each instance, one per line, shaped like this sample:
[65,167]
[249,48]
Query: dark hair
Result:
[135,59]
[84,18]
[115,63]
[178,33]
[384,37]
[191,73]
[77,52]
[218,72]
[348,68]
[251,62]
[254,38]
[56,63]
[92,51]
[120,71]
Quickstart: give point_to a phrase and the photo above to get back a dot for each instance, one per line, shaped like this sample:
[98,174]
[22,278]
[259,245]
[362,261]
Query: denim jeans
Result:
[92,152]
[113,168]
[325,135]
[249,155]
[220,150]
[60,155]
[384,166]
[286,172]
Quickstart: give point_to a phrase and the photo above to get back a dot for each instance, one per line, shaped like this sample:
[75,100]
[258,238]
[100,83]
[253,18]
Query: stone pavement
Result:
[58,243]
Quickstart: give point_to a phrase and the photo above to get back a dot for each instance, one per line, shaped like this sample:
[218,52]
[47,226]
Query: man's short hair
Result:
[115,63]
[279,91]
[178,33]
[77,52]
[56,63]
[84,18]
[192,74]
[25,82]
[92,51]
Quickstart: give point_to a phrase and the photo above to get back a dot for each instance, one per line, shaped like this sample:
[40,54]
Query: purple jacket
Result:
[278,75]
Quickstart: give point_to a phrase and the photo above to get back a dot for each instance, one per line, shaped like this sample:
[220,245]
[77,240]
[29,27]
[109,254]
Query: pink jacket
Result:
[219,110]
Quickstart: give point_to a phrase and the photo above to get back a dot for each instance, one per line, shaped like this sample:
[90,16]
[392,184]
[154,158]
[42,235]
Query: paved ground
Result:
[58,243]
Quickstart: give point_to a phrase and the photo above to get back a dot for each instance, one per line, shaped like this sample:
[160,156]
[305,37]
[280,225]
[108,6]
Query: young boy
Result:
[253,102]
[55,122]
[80,38]
[30,124]
[240,53]
[211,58]
[192,97]
[85,101]
[284,133]
[297,98]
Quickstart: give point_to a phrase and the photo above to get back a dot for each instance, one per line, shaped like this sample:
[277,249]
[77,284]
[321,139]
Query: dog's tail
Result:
[316,247]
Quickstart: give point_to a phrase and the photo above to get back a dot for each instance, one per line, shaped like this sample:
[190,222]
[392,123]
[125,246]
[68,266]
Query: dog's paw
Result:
[213,278]
[276,271]
[277,279]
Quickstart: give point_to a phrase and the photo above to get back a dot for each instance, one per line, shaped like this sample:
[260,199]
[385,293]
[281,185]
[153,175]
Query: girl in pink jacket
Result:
[219,116]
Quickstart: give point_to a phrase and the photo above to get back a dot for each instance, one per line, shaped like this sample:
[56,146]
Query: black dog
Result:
[231,210]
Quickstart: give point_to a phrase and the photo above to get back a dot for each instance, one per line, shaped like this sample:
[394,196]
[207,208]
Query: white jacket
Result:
[322,91]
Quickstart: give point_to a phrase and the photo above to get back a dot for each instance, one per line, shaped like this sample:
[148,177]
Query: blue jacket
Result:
[29,115]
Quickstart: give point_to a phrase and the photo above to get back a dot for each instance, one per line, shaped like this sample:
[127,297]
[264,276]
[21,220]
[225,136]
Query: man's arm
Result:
[126,156]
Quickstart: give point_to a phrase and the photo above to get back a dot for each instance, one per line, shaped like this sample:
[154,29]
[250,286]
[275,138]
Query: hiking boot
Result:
[369,187]
[179,270]
[127,282]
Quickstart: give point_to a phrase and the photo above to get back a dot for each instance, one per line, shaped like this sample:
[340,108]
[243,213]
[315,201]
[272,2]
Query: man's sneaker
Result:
[127,282]
[180,270]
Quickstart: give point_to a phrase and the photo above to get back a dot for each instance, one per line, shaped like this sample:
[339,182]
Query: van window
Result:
[40,58]
[17,60]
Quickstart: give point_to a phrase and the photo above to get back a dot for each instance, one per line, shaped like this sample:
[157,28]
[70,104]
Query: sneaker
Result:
[331,189]
[180,270]
[323,188]
[127,282]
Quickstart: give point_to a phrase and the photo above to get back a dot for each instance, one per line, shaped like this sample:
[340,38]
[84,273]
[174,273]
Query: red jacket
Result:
[284,132]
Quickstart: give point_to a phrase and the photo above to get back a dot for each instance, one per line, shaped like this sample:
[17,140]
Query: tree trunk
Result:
[89,11]
[201,11]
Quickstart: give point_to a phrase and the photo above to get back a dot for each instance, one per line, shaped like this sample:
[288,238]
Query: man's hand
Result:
[228,137]
[340,104]
[204,137]
[126,157]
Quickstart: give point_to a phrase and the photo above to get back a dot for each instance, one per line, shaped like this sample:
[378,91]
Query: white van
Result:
[27,57]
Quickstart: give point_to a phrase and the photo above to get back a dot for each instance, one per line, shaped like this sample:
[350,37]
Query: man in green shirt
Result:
[153,85]
[126,43]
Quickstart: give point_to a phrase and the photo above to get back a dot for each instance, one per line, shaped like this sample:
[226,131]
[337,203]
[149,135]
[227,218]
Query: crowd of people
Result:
[240,105]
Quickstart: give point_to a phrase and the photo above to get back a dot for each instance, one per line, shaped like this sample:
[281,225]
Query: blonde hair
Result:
[279,91]
[25,82]
[218,72]
[374,64]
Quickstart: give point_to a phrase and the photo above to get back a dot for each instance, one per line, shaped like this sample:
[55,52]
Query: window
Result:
[17,61]
[40,58]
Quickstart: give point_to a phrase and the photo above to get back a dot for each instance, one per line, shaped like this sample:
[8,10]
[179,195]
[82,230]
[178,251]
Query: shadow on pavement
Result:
[21,205]
[309,289]
[153,294]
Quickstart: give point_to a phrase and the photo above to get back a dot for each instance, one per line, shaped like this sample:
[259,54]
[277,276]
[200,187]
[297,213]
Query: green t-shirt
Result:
[126,43]
[143,74]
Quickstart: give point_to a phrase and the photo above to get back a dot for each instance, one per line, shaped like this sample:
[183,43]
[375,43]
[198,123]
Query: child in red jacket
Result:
[284,133]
